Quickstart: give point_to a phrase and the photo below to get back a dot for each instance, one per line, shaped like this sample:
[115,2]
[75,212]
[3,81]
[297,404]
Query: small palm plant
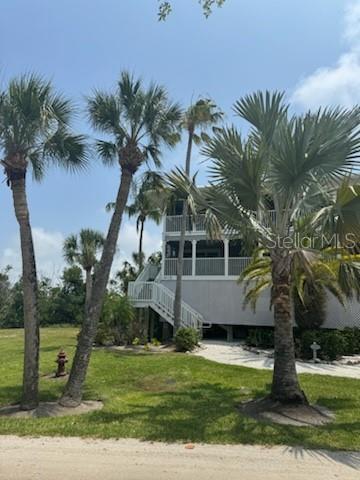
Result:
[83,250]
[197,119]
[296,164]
[137,122]
[34,134]
[308,285]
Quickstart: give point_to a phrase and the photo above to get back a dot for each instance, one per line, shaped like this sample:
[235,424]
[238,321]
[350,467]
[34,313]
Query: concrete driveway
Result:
[234,354]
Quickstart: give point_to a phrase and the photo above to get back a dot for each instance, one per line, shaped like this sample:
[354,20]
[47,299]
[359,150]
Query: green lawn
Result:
[172,397]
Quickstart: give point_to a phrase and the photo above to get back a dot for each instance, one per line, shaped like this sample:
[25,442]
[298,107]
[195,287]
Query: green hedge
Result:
[260,337]
[333,343]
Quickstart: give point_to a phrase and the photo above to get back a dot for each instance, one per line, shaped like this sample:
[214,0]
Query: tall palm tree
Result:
[83,250]
[34,133]
[149,202]
[296,161]
[196,120]
[137,122]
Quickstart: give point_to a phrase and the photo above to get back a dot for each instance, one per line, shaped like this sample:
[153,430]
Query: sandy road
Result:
[76,459]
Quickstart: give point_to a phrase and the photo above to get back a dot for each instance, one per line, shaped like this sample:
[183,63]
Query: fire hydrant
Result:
[61,362]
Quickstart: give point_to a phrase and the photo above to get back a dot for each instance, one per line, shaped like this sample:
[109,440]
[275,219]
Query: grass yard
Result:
[172,397]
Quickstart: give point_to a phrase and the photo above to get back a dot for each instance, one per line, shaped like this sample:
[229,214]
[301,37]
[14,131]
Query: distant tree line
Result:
[62,303]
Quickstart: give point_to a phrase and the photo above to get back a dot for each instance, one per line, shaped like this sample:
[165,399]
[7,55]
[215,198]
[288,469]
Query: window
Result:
[172,249]
[210,249]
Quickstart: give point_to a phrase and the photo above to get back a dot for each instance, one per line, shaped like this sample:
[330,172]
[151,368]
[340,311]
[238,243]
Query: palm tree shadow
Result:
[350,459]
[184,415]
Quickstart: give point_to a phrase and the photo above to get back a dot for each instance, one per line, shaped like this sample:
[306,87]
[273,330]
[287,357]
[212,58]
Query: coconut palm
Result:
[198,118]
[149,203]
[296,163]
[83,250]
[34,134]
[137,122]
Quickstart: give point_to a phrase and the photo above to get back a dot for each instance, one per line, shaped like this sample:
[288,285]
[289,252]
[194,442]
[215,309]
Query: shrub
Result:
[155,342]
[104,335]
[333,343]
[311,313]
[260,337]
[352,336]
[116,320]
[186,339]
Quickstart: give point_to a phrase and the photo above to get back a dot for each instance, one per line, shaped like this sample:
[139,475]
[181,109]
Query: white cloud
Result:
[49,256]
[129,241]
[48,251]
[338,84]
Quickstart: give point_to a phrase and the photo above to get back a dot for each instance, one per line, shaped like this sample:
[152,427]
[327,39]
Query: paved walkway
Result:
[234,354]
[47,458]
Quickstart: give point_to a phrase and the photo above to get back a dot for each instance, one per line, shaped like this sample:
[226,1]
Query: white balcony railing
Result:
[173,224]
[237,265]
[197,224]
[193,224]
[210,266]
[170,267]
[207,266]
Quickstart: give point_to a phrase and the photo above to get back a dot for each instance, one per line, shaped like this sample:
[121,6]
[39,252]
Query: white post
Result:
[226,255]
[163,248]
[193,258]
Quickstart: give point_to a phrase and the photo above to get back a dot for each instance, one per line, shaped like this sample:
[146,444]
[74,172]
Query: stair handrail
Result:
[163,296]
[148,272]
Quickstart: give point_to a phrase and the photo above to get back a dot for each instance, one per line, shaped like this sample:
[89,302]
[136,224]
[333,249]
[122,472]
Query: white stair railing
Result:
[149,272]
[161,299]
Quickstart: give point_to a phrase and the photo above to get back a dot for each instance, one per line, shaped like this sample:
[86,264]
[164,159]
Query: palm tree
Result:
[198,118]
[34,133]
[308,286]
[138,121]
[296,163]
[83,250]
[149,202]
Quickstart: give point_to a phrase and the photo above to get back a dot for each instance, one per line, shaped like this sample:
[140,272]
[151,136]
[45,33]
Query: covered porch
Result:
[206,258]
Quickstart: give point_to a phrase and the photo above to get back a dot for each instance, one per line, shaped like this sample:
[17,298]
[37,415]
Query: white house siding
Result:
[221,302]
[340,317]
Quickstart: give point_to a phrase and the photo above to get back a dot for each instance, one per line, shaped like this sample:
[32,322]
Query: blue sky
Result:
[309,48]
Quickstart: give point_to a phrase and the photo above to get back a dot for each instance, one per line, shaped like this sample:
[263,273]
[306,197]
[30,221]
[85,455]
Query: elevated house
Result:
[212,297]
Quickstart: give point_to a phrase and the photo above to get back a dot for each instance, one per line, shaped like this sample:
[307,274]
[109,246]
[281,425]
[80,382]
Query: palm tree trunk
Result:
[73,390]
[31,321]
[180,258]
[285,385]
[141,260]
[88,288]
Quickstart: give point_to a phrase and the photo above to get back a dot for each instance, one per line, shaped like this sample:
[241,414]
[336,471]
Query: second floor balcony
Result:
[194,224]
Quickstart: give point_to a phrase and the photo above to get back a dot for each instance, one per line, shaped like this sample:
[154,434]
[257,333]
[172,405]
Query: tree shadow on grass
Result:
[10,394]
[208,413]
